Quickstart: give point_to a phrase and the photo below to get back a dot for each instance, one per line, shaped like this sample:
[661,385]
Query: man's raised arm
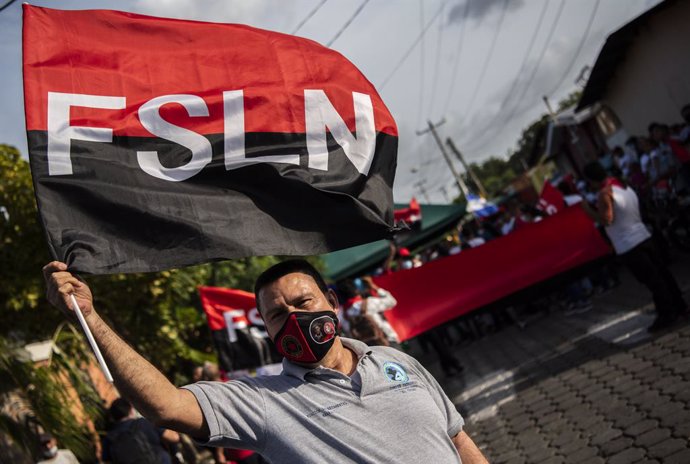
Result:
[137,379]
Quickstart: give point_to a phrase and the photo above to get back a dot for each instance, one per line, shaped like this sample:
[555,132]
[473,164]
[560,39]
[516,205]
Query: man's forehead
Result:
[289,285]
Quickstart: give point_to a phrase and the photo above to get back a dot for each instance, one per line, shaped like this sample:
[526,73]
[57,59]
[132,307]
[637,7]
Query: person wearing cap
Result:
[337,399]
[51,454]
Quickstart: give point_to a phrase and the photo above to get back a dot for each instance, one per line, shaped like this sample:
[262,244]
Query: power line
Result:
[409,50]
[347,23]
[454,74]
[421,64]
[308,17]
[7,4]
[584,38]
[485,66]
[528,82]
[528,52]
[437,64]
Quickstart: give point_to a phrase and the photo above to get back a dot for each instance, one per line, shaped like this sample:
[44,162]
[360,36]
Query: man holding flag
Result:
[337,400]
[139,164]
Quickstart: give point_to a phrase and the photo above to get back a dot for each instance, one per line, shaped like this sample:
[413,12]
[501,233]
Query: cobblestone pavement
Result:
[590,388]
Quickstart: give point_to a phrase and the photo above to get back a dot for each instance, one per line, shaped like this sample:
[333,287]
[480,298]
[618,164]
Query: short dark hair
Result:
[594,171]
[119,409]
[566,188]
[348,288]
[284,268]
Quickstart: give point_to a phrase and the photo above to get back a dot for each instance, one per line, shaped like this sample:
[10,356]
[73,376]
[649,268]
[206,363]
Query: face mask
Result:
[306,336]
[51,453]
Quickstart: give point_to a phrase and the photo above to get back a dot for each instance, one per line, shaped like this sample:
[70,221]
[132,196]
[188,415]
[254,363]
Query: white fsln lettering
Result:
[320,113]
[320,116]
[233,130]
[234,319]
[238,319]
[202,153]
[61,133]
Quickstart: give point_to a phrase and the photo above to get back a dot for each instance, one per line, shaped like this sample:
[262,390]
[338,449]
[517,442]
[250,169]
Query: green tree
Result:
[42,389]
[158,313]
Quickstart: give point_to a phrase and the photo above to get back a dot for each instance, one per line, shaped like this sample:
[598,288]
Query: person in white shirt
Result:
[52,454]
[619,212]
[371,301]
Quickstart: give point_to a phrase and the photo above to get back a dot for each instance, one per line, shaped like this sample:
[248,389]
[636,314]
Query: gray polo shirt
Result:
[390,410]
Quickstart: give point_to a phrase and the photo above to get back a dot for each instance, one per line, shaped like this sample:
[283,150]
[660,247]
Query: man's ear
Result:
[333,300]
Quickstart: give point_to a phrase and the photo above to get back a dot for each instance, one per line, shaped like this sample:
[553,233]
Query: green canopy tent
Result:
[350,262]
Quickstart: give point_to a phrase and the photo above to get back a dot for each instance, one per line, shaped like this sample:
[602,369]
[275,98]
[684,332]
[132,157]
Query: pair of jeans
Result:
[649,268]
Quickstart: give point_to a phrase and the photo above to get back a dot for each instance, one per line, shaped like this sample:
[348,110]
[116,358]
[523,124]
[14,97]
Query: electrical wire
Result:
[487,60]
[521,70]
[437,64]
[347,23]
[409,50]
[584,38]
[7,4]
[308,17]
[422,65]
[456,63]
[528,84]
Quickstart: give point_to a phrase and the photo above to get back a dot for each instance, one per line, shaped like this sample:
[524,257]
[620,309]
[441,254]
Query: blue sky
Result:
[463,68]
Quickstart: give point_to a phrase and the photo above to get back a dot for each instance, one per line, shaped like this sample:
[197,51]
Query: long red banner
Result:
[447,288]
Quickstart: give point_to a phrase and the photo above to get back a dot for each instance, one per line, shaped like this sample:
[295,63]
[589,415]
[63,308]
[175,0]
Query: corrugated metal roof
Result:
[613,54]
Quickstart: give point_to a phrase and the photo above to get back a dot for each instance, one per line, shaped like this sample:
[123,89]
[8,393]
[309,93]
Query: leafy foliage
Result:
[49,402]
[158,313]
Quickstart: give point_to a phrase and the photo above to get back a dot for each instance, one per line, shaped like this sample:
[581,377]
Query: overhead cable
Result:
[308,17]
[584,38]
[347,23]
[525,57]
[487,60]
[422,65]
[409,50]
[7,4]
[528,81]
[437,65]
[454,75]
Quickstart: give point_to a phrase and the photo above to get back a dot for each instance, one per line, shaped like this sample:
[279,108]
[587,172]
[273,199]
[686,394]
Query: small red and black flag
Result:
[237,329]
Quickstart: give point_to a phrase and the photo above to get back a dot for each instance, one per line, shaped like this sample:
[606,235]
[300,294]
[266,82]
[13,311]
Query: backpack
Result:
[131,446]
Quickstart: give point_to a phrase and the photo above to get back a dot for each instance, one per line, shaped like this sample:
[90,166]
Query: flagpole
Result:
[92,341]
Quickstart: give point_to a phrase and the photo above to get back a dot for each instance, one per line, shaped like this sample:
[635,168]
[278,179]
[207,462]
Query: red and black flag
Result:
[237,329]
[158,143]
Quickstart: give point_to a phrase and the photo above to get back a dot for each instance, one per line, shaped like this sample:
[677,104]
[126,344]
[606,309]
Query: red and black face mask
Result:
[307,336]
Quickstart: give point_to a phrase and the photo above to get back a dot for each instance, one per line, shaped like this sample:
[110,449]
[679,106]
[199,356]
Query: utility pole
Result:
[422,190]
[467,167]
[432,128]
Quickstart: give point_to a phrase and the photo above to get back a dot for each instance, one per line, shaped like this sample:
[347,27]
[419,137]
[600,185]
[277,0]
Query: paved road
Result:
[590,388]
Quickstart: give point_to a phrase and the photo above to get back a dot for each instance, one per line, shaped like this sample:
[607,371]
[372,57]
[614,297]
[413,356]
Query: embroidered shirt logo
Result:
[394,372]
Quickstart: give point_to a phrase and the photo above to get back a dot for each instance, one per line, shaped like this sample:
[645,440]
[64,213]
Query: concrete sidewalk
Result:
[590,388]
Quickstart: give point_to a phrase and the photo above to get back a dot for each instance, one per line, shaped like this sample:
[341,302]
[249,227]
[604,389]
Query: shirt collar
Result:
[291,369]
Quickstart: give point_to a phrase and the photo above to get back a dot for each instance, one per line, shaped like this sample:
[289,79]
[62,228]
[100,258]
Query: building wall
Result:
[653,82]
